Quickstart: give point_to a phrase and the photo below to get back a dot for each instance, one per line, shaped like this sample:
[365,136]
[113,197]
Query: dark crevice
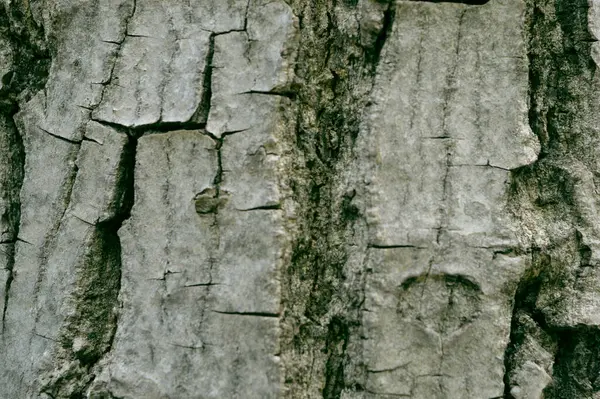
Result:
[12,215]
[577,364]
[158,127]
[219,175]
[117,127]
[90,140]
[94,322]
[392,246]
[437,137]
[576,349]
[60,137]
[273,207]
[24,241]
[336,343]
[246,15]
[142,36]
[129,18]
[43,336]
[524,303]
[562,110]
[225,134]
[112,42]
[31,56]
[536,117]
[10,253]
[253,314]
[221,33]
[387,370]
[165,127]
[27,75]
[283,93]
[373,53]
[335,72]
[201,285]
[205,102]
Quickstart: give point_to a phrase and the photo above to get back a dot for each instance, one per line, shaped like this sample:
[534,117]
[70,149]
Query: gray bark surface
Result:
[357,199]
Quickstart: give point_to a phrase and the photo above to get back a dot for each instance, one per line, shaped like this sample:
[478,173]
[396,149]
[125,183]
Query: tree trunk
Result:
[299,199]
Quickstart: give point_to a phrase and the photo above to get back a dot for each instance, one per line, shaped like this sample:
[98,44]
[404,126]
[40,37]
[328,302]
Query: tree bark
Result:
[299,199]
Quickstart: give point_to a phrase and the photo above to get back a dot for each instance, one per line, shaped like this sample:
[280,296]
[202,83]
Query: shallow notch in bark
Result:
[210,200]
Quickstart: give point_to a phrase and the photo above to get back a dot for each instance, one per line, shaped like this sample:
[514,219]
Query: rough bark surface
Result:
[299,199]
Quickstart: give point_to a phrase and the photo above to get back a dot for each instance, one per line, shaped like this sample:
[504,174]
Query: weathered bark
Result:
[299,199]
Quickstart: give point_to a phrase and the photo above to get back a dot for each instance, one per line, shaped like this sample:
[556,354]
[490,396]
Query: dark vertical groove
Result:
[524,306]
[201,114]
[27,75]
[336,343]
[321,306]
[373,54]
[10,266]
[15,181]
[219,175]
[96,294]
[562,109]
[536,122]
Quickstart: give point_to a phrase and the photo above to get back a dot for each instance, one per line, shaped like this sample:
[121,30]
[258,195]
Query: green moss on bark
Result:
[337,59]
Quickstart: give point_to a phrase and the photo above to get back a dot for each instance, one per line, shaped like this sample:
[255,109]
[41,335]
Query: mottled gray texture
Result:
[299,199]
[442,150]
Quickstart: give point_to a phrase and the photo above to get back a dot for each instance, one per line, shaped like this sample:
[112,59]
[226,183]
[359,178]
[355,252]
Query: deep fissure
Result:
[27,75]
[88,335]
[205,101]
[561,100]
[318,307]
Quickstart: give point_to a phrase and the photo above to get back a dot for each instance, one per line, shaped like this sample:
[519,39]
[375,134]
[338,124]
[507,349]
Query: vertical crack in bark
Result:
[118,50]
[219,175]
[321,319]
[211,200]
[13,211]
[203,110]
[546,196]
[88,334]
[449,91]
[27,75]
[208,204]
[373,54]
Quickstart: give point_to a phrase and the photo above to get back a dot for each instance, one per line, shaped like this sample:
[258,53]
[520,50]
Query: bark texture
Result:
[338,199]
